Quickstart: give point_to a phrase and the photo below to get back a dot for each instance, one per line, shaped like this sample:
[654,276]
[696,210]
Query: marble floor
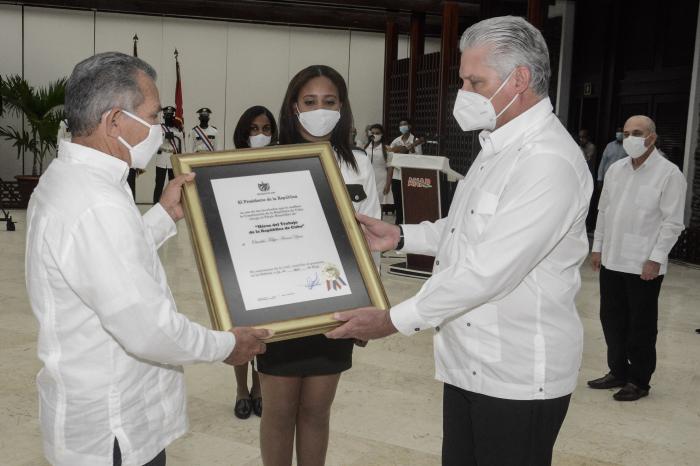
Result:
[388,407]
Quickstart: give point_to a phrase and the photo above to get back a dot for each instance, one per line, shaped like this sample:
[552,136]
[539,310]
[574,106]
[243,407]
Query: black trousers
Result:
[131,179]
[160,181]
[398,201]
[159,460]
[629,311]
[480,430]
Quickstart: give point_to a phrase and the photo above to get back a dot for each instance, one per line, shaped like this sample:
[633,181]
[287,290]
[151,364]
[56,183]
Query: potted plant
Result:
[42,109]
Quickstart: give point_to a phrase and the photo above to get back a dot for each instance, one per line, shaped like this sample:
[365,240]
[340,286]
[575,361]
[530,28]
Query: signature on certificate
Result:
[313,281]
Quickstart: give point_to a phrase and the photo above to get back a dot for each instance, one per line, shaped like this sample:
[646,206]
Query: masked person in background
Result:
[255,128]
[204,137]
[378,156]
[612,153]
[111,341]
[507,337]
[299,377]
[407,143]
[173,143]
[640,216]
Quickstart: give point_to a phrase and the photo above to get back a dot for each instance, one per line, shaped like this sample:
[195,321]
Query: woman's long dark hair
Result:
[242,131]
[342,133]
[381,143]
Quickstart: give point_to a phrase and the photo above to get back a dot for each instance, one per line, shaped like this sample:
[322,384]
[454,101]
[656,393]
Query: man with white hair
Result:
[111,340]
[640,216]
[508,339]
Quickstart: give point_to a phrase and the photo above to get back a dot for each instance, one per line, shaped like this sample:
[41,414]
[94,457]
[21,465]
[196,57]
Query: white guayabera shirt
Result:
[640,214]
[110,337]
[501,298]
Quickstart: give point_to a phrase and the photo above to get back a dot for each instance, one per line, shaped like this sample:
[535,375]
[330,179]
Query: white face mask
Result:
[634,146]
[142,152]
[377,137]
[319,122]
[259,140]
[474,111]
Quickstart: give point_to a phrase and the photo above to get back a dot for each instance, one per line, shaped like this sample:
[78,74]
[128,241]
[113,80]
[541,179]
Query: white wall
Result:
[10,63]
[258,70]
[366,79]
[50,55]
[227,67]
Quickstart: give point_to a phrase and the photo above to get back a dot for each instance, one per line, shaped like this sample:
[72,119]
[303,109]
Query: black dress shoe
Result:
[243,408]
[257,406]
[630,392]
[607,381]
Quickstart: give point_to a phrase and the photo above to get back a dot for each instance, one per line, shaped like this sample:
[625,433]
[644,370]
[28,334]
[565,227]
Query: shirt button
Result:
[541,389]
[469,324]
[357,198]
[417,329]
[452,230]
[474,373]
[481,168]
[437,329]
[472,211]
[437,262]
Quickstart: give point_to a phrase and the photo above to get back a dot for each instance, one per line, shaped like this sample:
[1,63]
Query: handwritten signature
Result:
[312,282]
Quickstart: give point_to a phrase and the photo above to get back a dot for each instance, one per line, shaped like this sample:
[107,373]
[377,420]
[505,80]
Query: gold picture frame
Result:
[218,276]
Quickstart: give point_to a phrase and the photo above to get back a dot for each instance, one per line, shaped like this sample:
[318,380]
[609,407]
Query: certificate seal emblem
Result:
[331,274]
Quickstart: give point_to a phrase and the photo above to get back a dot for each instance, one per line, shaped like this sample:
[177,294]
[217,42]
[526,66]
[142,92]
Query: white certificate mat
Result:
[280,243]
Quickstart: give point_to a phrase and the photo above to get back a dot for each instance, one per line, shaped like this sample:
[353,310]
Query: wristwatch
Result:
[399,245]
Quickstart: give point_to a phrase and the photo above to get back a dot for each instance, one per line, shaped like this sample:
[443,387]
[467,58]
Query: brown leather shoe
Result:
[607,381]
[630,392]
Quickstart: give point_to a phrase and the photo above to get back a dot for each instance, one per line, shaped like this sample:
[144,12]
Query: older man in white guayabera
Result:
[110,337]
[640,216]
[508,339]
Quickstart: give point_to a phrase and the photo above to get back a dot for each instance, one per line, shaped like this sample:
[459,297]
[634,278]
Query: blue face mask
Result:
[403,129]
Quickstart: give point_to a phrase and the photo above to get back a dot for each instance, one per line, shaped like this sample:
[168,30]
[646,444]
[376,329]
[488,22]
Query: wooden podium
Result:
[424,188]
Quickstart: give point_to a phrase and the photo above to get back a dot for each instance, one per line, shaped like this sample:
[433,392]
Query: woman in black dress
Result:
[299,377]
[256,128]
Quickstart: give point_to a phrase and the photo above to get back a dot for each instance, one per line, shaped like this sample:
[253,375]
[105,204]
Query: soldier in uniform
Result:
[63,132]
[204,137]
[173,142]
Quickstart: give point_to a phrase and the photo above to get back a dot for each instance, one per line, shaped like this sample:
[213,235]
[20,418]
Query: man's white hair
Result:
[512,42]
[651,126]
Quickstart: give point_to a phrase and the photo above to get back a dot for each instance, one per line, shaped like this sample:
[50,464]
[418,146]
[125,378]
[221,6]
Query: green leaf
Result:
[42,109]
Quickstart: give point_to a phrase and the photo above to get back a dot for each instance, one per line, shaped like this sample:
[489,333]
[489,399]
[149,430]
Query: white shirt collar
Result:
[493,142]
[116,170]
[651,160]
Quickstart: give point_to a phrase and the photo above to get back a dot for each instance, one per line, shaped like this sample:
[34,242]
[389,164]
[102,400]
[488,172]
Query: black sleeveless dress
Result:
[316,354]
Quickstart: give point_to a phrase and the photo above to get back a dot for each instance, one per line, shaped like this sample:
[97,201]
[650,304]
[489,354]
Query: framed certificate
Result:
[276,240]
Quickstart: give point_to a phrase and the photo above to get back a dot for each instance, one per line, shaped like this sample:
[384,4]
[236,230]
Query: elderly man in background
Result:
[508,339]
[640,216]
[110,337]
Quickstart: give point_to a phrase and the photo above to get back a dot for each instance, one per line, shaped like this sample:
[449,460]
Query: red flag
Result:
[179,116]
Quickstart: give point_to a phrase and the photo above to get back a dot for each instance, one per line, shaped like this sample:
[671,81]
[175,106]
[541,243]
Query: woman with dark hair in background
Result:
[256,128]
[299,377]
[377,155]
